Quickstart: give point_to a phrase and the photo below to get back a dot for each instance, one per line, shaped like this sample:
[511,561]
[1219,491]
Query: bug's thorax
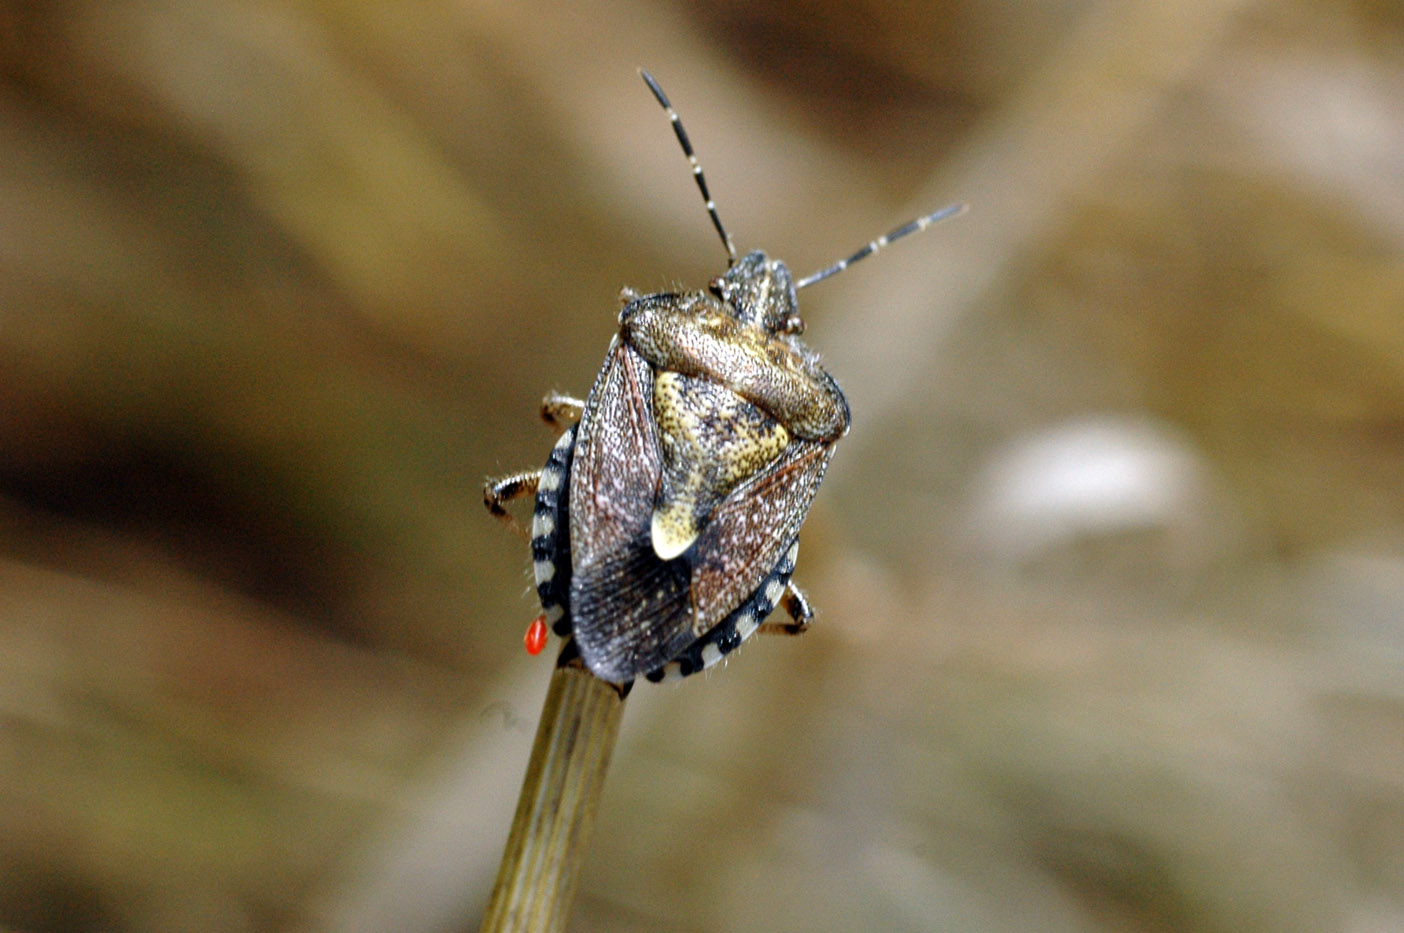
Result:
[742,333]
[732,387]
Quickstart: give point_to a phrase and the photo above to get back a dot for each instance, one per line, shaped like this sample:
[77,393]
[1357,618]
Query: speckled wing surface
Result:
[751,528]
[631,611]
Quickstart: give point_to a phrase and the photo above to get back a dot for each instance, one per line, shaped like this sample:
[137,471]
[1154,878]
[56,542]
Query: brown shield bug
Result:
[666,522]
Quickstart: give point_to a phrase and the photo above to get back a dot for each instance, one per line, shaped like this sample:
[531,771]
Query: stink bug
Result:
[666,521]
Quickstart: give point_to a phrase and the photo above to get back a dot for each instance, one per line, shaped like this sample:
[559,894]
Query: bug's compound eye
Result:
[794,324]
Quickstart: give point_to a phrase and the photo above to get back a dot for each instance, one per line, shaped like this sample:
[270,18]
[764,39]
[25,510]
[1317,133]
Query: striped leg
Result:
[561,411]
[507,489]
[797,607]
[558,411]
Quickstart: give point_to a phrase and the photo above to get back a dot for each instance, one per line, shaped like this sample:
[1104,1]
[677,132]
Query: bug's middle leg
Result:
[797,607]
[497,492]
[561,411]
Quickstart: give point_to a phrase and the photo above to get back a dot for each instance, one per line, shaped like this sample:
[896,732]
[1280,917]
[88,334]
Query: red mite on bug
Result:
[536,634]
[666,520]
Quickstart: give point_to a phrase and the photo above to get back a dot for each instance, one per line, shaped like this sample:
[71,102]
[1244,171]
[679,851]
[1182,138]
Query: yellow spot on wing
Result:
[673,530]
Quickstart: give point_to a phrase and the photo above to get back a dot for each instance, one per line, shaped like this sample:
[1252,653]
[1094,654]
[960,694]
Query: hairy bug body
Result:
[666,521]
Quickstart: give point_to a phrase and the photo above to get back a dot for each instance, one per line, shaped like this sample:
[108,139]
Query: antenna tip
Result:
[654,87]
[950,210]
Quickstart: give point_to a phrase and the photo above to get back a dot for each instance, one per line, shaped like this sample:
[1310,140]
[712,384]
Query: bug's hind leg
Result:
[561,411]
[505,489]
[797,607]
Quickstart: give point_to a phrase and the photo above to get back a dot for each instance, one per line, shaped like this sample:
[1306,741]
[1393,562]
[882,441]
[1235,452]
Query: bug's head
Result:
[760,291]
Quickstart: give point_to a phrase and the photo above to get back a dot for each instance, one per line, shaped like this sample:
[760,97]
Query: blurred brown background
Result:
[1110,571]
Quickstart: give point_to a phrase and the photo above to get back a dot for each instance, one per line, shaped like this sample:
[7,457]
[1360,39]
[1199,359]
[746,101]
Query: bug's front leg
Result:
[505,489]
[797,607]
[561,411]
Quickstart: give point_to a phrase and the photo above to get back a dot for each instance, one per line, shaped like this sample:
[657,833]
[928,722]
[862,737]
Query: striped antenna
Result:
[916,226]
[696,166]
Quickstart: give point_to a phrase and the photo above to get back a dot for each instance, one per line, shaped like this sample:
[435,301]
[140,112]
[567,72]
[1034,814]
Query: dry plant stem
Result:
[556,809]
